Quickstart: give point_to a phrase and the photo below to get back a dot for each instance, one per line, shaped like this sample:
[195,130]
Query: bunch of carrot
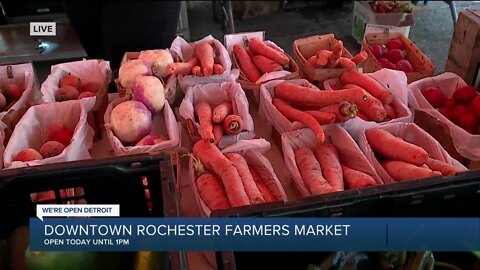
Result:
[215,122]
[333,58]
[259,58]
[403,160]
[205,62]
[322,172]
[314,108]
[227,180]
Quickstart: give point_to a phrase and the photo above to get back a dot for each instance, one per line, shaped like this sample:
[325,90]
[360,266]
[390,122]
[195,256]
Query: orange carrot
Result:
[372,108]
[204,52]
[221,111]
[357,179]
[390,111]
[327,156]
[246,64]
[213,160]
[400,170]
[211,192]
[346,63]
[217,133]
[265,64]
[368,83]
[250,53]
[259,47]
[323,118]
[233,124]
[182,68]
[336,54]
[262,187]
[343,111]
[300,94]
[360,57]
[443,167]
[322,57]
[250,187]
[363,116]
[312,60]
[218,69]
[204,113]
[311,172]
[295,115]
[395,148]
[197,71]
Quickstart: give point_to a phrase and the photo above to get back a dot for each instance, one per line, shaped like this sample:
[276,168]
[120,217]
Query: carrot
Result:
[363,116]
[262,187]
[216,56]
[323,118]
[390,111]
[259,47]
[312,60]
[221,111]
[197,71]
[250,187]
[204,52]
[211,192]
[343,111]
[300,94]
[182,68]
[233,124]
[217,133]
[204,113]
[250,53]
[336,54]
[218,69]
[395,148]
[357,179]
[368,83]
[360,57]
[295,115]
[265,64]
[311,172]
[327,156]
[216,162]
[322,57]
[246,64]
[372,108]
[401,170]
[346,63]
[443,167]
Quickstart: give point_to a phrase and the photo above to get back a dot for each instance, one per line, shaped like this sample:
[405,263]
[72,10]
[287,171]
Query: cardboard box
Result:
[363,15]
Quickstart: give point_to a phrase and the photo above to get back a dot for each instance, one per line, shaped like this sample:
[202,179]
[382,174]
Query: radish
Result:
[394,44]
[387,64]
[27,154]
[468,122]
[434,96]
[404,65]
[464,94]
[158,60]
[130,121]
[449,103]
[378,51]
[446,112]
[149,91]
[395,55]
[459,111]
[476,107]
[131,69]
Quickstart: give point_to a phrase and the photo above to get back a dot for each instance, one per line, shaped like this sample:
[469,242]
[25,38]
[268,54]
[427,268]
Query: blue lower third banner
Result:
[255,234]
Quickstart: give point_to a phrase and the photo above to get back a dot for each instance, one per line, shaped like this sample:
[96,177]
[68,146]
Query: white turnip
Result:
[131,69]
[149,91]
[158,60]
[130,121]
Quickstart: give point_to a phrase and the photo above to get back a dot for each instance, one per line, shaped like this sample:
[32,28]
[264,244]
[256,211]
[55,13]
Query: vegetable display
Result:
[392,55]
[325,58]
[71,87]
[10,94]
[204,63]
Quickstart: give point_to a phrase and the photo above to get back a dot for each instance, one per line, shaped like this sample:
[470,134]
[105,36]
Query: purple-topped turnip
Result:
[130,121]
[149,91]
[131,69]
[158,60]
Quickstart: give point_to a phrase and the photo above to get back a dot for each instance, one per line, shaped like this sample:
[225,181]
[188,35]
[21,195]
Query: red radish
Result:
[468,122]
[233,124]
[51,149]
[378,51]
[130,121]
[449,103]
[395,55]
[476,107]
[446,112]
[89,87]
[71,80]
[478,130]
[57,132]
[66,92]
[86,95]
[387,64]
[28,154]
[434,96]
[404,65]
[459,111]
[464,94]
[394,44]
[13,91]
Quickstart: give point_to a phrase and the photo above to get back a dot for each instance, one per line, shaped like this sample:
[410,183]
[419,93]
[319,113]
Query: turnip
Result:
[130,121]
[158,60]
[131,69]
[149,91]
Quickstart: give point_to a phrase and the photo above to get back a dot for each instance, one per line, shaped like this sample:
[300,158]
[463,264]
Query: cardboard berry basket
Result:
[93,70]
[308,46]
[422,65]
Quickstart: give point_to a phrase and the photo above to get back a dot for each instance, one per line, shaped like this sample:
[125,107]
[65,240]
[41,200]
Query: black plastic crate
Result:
[140,184]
